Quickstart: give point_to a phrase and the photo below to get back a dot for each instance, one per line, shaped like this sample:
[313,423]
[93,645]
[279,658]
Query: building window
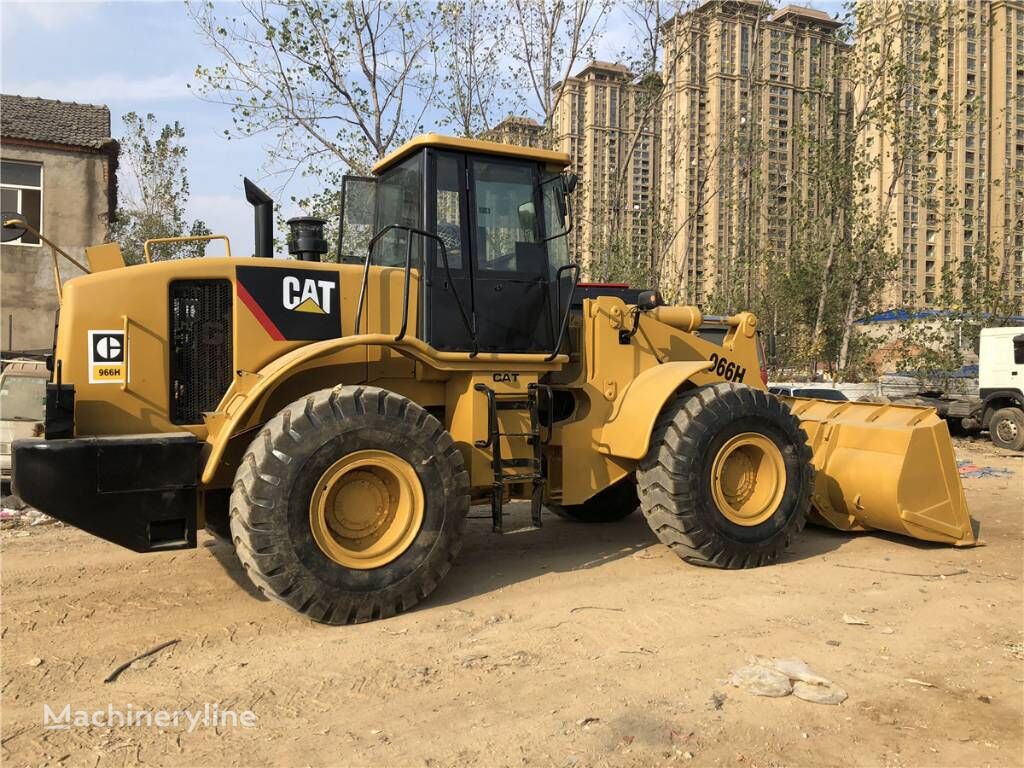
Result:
[21,191]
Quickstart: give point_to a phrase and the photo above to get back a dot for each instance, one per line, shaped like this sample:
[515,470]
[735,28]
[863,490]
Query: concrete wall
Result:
[74,216]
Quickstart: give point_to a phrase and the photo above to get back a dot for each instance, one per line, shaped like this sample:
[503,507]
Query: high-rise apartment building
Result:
[516,129]
[744,84]
[609,125]
[958,178]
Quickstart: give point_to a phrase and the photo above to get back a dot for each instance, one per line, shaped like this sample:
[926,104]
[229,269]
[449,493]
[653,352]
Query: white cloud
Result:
[49,16]
[104,88]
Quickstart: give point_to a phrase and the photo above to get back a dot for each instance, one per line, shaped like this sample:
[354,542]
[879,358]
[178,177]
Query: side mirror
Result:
[528,217]
[571,180]
[648,300]
[14,226]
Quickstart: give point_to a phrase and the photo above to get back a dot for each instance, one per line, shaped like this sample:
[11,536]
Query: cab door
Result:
[512,285]
[447,213]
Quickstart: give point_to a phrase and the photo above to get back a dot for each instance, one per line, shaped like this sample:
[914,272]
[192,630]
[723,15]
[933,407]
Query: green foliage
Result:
[152,203]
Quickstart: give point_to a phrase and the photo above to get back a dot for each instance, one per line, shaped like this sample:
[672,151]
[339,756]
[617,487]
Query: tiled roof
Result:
[55,122]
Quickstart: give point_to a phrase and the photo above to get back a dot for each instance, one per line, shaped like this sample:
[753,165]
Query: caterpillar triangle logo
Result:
[310,306]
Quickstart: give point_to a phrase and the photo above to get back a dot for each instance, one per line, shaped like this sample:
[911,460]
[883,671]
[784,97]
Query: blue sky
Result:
[139,56]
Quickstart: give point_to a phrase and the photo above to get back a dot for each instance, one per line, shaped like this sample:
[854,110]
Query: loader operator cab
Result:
[488,232]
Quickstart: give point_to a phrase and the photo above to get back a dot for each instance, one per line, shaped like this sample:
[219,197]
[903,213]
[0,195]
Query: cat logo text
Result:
[308,295]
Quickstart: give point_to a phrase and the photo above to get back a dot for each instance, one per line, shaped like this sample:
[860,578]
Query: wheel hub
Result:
[748,479]
[1006,430]
[366,509]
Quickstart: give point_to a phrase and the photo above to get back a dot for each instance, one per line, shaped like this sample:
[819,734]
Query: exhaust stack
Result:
[263,213]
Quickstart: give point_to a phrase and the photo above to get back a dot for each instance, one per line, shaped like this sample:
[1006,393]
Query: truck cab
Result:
[1001,385]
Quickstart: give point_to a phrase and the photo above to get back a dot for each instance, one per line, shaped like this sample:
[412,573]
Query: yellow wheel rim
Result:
[366,509]
[748,479]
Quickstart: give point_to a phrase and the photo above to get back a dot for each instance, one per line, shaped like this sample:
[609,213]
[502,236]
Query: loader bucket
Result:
[884,467]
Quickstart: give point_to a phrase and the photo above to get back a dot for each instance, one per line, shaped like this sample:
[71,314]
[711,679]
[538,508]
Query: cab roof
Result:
[477,146]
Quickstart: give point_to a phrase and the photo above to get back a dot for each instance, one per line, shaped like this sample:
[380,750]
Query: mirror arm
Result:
[54,250]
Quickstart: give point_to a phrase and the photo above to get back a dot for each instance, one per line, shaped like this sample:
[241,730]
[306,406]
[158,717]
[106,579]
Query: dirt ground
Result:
[572,646]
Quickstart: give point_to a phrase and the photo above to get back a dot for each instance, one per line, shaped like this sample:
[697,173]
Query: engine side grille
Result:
[201,355]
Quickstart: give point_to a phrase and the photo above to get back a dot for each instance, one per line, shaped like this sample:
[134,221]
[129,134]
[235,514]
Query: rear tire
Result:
[727,479]
[296,468]
[616,502]
[1006,429]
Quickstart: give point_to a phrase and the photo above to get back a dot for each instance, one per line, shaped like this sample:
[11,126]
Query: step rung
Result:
[521,478]
[510,462]
[512,405]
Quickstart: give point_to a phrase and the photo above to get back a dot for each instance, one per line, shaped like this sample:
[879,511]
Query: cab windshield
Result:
[22,398]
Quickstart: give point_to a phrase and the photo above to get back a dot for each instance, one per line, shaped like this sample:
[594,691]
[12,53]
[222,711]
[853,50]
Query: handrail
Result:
[470,327]
[558,303]
[184,239]
[54,250]
[125,328]
[491,416]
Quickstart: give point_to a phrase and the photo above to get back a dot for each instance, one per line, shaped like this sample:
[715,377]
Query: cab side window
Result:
[399,202]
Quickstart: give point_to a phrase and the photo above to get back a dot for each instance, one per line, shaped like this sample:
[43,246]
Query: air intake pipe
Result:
[263,213]
[306,241]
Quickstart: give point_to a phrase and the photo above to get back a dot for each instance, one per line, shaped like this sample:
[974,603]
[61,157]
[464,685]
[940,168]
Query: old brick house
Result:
[59,171]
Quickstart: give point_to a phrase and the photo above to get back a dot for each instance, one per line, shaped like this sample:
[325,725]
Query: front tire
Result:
[350,505]
[727,479]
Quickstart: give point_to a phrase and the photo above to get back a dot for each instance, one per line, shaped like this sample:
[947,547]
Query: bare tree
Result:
[329,82]
[473,87]
[901,91]
[550,37]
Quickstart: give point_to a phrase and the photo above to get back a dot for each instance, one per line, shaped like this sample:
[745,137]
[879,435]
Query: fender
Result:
[1015,396]
[248,391]
[628,433]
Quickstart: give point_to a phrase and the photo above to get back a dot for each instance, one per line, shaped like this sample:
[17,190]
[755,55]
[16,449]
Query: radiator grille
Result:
[201,355]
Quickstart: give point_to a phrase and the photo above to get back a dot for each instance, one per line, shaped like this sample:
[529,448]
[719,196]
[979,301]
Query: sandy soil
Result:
[573,646]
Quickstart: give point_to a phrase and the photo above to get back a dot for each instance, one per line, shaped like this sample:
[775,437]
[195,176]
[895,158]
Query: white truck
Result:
[999,406]
[1001,386]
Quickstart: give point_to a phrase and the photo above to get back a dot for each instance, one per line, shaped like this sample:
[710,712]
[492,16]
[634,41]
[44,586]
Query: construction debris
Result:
[781,677]
[972,470]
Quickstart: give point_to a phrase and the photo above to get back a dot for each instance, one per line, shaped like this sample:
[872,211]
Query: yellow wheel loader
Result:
[335,415]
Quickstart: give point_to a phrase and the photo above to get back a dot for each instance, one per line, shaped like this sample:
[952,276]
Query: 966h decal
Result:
[107,357]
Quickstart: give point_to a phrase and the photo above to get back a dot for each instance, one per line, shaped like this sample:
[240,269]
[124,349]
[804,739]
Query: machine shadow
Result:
[815,541]
[224,553]
[489,562]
